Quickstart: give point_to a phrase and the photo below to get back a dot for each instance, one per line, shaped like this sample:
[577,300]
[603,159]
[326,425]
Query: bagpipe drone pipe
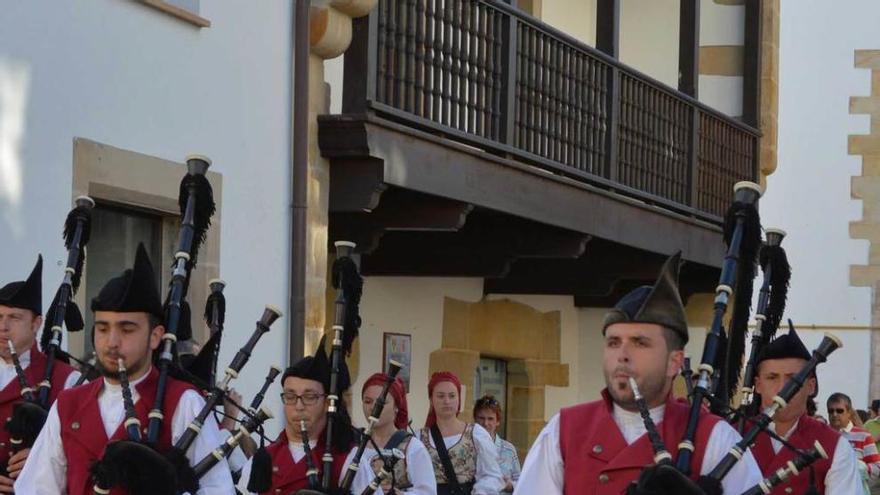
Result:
[28,416]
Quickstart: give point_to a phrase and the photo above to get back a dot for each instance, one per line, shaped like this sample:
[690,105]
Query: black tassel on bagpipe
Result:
[742,234]
[746,267]
[63,310]
[347,278]
[771,306]
[197,206]
[347,320]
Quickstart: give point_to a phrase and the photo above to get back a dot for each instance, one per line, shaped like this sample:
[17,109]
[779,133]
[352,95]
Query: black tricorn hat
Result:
[132,292]
[659,304]
[789,345]
[25,294]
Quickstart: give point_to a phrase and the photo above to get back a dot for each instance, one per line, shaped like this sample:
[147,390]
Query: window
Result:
[136,201]
[185,10]
[115,234]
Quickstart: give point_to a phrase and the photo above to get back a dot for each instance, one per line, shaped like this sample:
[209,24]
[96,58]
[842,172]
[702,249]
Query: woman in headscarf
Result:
[463,454]
[412,475]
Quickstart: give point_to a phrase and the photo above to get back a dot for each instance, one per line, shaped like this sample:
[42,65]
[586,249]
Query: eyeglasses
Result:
[290,398]
[832,410]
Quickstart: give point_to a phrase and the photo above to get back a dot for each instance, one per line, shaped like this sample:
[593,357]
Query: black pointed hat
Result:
[25,294]
[134,291]
[659,304]
[789,345]
[318,368]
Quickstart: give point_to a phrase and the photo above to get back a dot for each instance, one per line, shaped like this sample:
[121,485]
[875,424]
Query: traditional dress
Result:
[287,471]
[473,457]
[413,475]
[84,420]
[34,364]
[27,294]
[600,448]
[836,475]
[289,465]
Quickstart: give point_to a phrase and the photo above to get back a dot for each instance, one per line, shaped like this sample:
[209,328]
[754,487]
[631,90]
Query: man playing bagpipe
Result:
[602,446]
[21,311]
[85,422]
[781,359]
[296,463]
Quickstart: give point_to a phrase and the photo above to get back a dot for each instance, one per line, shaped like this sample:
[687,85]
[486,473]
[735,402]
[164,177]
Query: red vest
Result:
[11,395]
[82,429]
[596,456]
[289,476]
[807,432]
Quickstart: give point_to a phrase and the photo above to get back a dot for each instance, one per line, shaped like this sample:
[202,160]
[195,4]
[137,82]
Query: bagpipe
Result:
[722,359]
[135,463]
[29,415]
[349,285]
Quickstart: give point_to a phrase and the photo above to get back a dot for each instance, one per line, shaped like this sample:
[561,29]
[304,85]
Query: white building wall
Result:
[809,194]
[124,74]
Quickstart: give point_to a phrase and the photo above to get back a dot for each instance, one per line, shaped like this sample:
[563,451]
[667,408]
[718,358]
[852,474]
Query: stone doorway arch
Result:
[528,339]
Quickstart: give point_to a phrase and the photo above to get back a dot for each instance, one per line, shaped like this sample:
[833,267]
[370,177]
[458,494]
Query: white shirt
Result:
[843,478]
[419,468]
[489,480]
[297,452]
[7,371]
[45,472]
[543,471]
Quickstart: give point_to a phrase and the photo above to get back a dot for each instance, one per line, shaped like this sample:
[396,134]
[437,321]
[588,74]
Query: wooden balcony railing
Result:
[481,72]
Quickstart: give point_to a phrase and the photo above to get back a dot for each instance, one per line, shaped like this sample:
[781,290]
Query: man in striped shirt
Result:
[842,416]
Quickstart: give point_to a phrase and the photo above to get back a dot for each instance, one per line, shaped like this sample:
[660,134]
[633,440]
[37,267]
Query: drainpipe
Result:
[299,181]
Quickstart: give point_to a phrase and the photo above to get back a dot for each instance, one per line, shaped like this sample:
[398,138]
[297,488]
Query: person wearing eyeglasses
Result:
[305,387]
[487,413]
[412,475]
[844,419]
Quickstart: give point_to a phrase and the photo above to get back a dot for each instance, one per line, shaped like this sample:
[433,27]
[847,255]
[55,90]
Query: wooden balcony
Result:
[475,102]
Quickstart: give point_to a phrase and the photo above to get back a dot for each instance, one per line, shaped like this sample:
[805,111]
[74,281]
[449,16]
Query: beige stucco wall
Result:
[575,17]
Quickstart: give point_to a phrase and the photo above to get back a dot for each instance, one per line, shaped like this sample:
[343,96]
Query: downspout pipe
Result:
[299,182]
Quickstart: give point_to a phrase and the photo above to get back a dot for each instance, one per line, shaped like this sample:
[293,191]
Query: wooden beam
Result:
[608,27]
[751,112]
[689,47]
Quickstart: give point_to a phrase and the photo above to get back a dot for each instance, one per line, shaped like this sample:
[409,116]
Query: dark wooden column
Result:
[608,27]
[751,113]
[689,47]
[608,42]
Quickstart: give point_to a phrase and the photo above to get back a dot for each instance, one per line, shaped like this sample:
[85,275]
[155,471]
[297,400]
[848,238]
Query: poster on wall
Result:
[398,346]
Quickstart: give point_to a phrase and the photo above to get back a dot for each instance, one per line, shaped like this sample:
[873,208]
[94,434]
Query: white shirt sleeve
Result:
[843,478]
[543,469]
[70,382]
[418,466]
[45,471]
[744,474]
[489,479]
[218,479]
[245,476]
[237,458]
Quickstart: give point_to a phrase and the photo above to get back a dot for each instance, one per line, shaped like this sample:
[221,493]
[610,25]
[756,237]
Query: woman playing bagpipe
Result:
[602,446]
[414,474]
[20,319]
[85,423]
[463,454]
